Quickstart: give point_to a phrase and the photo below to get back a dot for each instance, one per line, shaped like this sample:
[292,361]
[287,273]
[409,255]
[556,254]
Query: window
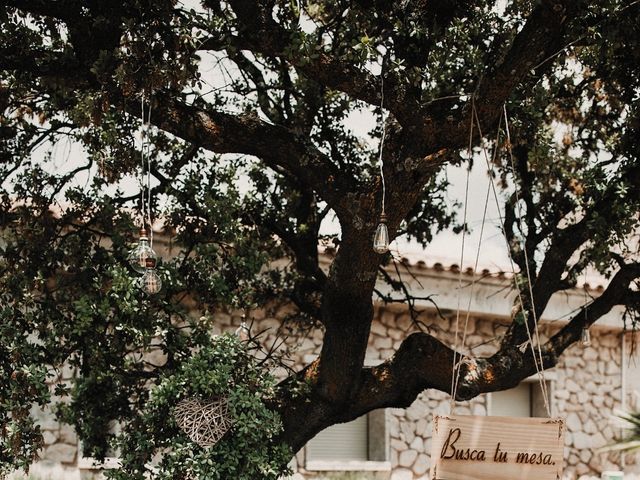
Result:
[344,441]
[525,400]
[359,445]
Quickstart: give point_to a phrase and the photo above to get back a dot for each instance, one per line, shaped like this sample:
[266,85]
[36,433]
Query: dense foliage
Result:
[222,369]
[252,105]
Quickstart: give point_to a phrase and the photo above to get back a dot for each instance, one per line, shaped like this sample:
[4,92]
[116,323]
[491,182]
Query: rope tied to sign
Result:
[537,353]
[455,377]
[467,361]
[540,368]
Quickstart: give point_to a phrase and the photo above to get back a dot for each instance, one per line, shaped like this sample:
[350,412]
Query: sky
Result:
[446,246]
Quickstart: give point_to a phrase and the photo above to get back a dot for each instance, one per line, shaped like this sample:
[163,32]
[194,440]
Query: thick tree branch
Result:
[261,34]
[277,146]
[420,363]
[564,243]
[543,30]
[424,362]
[616,293]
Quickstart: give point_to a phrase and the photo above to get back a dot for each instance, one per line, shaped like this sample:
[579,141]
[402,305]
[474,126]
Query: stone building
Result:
[394,444]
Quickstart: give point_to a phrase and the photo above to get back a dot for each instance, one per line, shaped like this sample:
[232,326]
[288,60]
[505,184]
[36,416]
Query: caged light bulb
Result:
[243,332]
[151,282]
[585,337]
[141,252]
[381,238]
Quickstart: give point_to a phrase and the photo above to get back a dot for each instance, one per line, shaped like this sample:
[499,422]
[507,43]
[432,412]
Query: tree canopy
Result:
[251,102]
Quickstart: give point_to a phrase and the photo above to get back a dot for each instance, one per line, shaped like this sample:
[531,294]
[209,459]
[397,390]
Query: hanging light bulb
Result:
[243,332]
[381,238]
[141,252]
[151,282]
[585,337]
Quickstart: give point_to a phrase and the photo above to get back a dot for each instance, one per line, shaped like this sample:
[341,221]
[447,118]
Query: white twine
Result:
[142,144]
[149,179]
[384,134]
[455,369]
[543,383]
[539,368]
[475,266]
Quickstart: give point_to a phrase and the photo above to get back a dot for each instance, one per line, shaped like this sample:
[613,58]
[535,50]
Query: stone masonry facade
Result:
[585,389]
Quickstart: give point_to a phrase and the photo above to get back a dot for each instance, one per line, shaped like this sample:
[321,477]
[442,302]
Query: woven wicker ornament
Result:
[205,423]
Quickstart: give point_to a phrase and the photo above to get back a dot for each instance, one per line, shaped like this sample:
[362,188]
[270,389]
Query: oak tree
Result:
[251,104]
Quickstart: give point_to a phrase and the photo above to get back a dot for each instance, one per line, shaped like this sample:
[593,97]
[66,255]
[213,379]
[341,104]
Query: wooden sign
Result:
[497,448]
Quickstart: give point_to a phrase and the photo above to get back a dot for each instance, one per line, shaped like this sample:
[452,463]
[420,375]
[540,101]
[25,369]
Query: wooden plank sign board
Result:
[469,447]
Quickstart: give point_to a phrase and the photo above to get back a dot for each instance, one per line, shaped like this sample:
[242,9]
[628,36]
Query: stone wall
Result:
[585,389]
[60,453]
[588,389]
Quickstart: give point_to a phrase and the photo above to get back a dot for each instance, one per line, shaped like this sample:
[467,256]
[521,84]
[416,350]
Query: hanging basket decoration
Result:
[205,423]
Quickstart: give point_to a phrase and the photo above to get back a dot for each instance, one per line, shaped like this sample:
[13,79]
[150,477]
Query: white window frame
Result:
[376,420]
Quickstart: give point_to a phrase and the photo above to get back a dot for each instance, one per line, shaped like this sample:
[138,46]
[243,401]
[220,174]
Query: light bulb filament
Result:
[151,282]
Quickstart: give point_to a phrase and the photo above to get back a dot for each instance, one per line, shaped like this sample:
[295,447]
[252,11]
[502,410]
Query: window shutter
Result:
[344,442]
[515,402]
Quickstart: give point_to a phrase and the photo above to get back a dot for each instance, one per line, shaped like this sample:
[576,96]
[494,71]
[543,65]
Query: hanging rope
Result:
[142,166]
[539,367]
[384,134]
[475,266]
[149,221]
[455,369]
[526,255]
